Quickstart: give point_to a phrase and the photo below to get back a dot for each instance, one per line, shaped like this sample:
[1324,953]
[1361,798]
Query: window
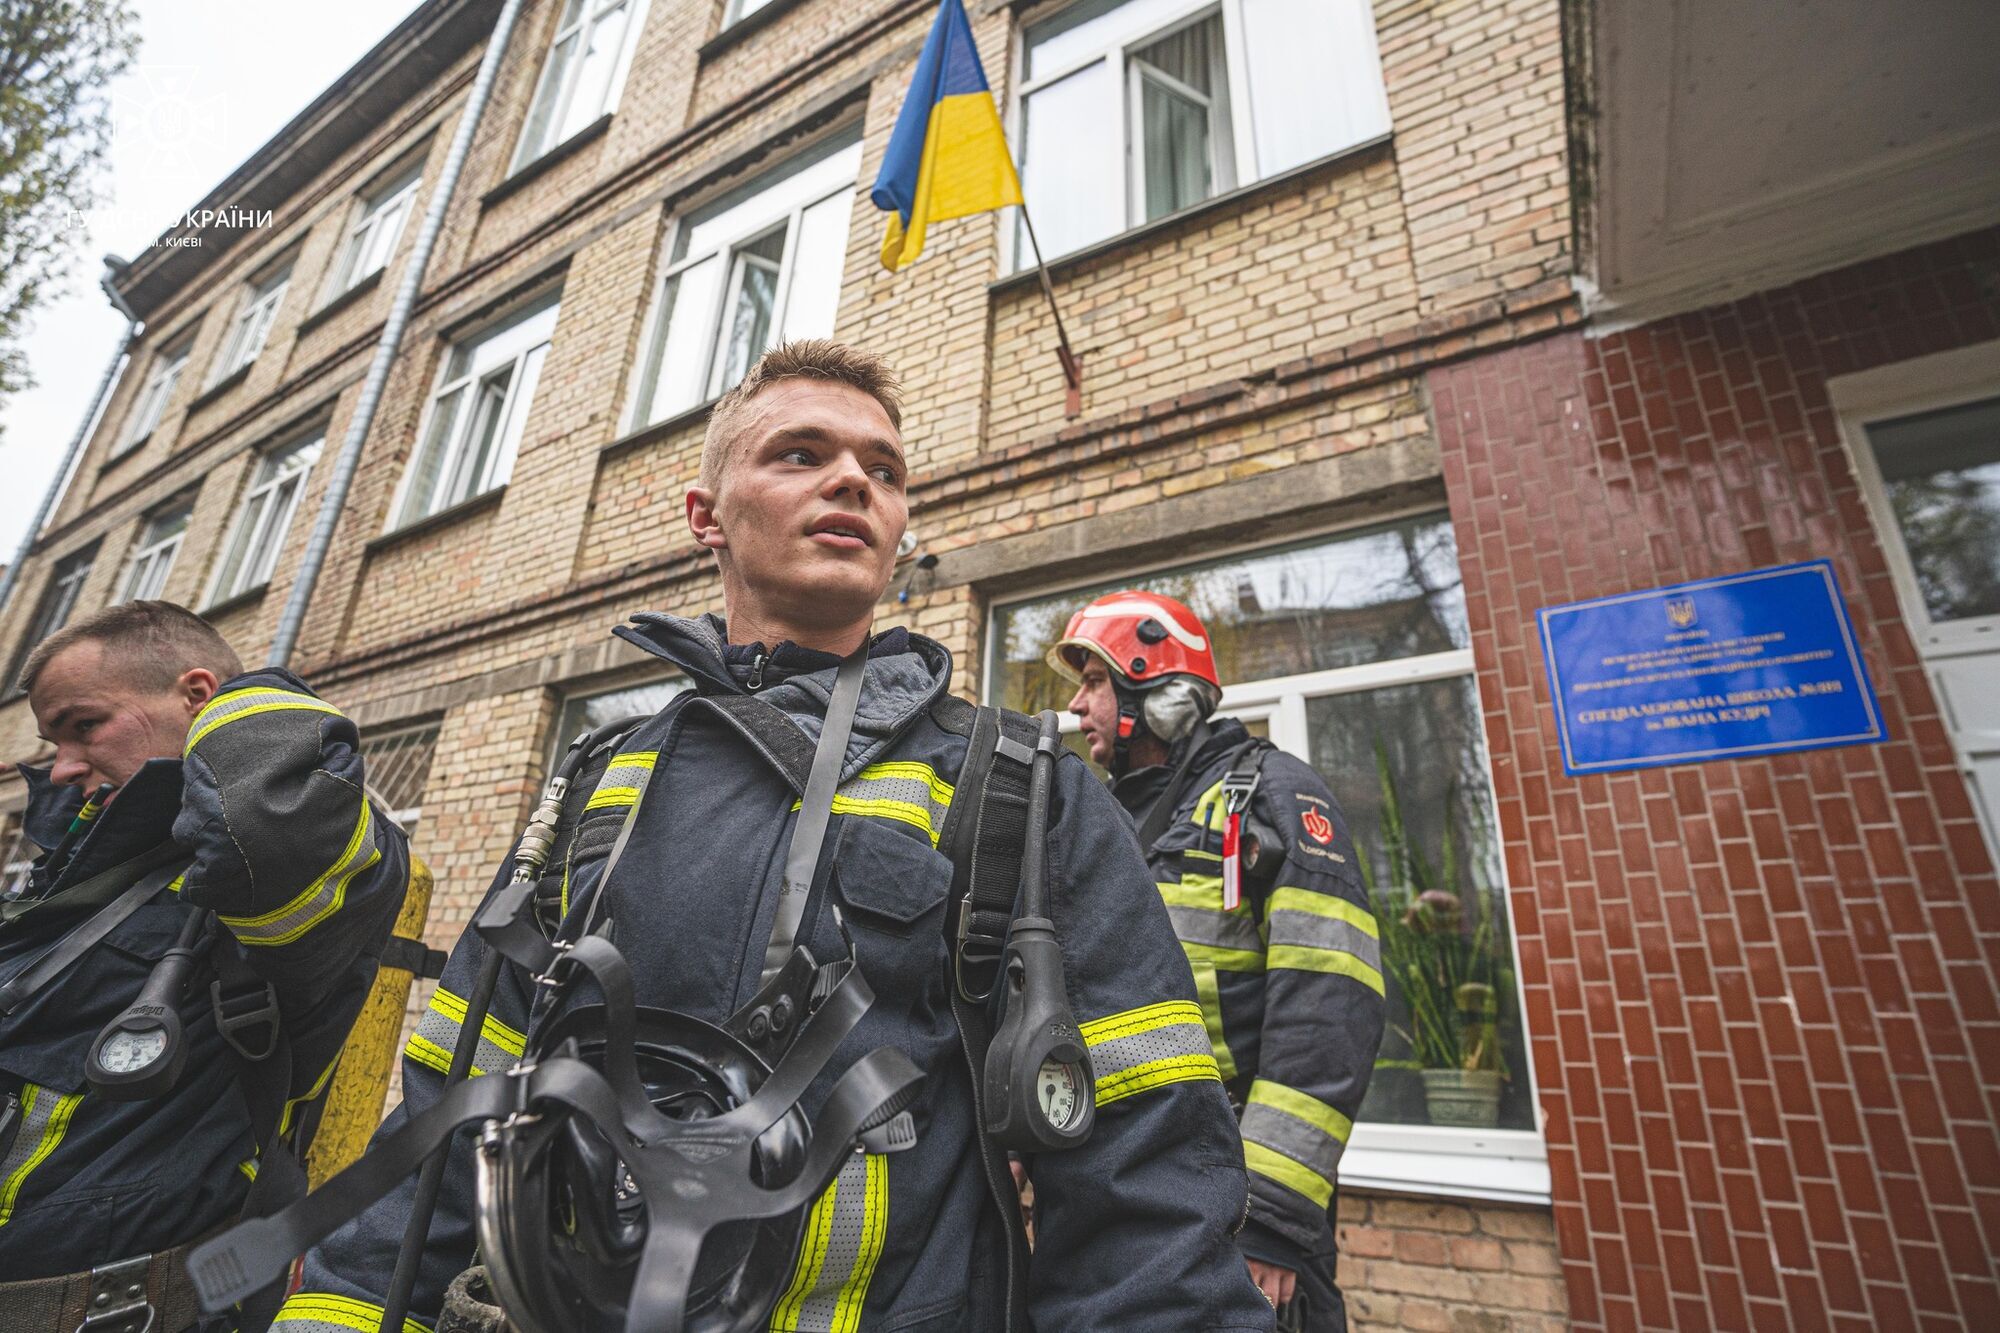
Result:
[585,70]
[739,10]
[378,224]
[1132,111]
[253,323]
[152,404]
[477,413]
[398,763]
[1353,653]
[587,711]
[756,267]
[275,486]
[153,555]
[58,601]
[1941,476]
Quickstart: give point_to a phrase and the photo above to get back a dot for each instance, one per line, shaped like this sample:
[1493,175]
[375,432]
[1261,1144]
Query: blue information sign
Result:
[1747,664]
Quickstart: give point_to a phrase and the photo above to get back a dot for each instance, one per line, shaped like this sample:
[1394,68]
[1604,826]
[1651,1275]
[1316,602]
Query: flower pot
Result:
[1469,1098]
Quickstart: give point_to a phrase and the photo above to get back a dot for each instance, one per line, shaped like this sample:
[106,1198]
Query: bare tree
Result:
[57,59]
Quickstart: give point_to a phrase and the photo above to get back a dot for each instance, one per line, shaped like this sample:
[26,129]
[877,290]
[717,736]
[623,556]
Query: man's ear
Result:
[703,520]
[195,688]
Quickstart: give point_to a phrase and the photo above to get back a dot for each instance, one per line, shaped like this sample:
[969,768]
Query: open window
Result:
[584,73]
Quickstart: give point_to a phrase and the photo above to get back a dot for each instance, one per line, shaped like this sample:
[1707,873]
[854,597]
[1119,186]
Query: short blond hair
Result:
[800,359]
[149,645]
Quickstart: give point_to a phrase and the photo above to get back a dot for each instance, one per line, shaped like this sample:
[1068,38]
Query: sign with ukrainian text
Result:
[1747,664]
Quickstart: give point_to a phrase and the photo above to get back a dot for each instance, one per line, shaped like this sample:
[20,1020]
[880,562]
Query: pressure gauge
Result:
[1059,1087]
[128,1052]
[139,1054]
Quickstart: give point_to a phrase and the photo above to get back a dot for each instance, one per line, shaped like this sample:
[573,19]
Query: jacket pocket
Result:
[888,881]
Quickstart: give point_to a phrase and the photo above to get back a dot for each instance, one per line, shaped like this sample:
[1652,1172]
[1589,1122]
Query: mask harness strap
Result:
[1162,811]
[815,809]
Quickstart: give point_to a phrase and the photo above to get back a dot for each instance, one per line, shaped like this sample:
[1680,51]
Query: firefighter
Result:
[1271,912]
[210,845]
[802,497]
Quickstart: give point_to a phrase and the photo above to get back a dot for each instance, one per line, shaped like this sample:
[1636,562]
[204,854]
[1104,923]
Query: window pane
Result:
[1086,29]
[819,260]
[489,415]
[1942,472]
[684,319]
[593,83]
[398,764]
[237,560]
[1363,597]
[1176,134]
[1075,175]
[1408,766]
[1315,79]
[748,328]
[539,135]
[587,712]
[430,459]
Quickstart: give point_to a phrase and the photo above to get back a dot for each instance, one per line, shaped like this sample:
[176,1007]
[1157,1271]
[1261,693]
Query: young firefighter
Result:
[1279,933]
[230,805]
[802,496]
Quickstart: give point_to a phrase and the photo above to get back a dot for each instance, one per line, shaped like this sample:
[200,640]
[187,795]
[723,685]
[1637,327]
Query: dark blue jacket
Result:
[267,811]
[1135,1229]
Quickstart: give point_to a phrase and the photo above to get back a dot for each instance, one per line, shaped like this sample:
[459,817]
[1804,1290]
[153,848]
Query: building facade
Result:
[1386,344]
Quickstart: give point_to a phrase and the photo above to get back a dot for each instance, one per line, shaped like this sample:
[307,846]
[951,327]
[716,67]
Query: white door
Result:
[1931,468]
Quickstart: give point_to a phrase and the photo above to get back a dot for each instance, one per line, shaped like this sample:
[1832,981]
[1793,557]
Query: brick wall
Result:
[1435,1267]
[1761,992]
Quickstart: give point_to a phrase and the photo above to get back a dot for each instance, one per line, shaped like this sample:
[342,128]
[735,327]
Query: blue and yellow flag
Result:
[948,156]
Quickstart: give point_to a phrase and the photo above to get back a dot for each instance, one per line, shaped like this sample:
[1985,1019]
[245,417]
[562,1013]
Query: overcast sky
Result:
[213,80]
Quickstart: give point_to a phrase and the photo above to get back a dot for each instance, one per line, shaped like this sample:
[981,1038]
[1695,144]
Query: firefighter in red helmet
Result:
[1253,857]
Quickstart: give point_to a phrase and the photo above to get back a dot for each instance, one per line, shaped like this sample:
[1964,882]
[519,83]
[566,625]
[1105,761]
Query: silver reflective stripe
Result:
[321,899]
[843,1241]
[1285,1133]
[1147,1048]
[902,790]
[45,1115]
[238,704]
[437,1036]
[622,779]
[1221,930]
[1305,930]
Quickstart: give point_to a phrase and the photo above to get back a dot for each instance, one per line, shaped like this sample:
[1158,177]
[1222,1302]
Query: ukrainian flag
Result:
[948,156]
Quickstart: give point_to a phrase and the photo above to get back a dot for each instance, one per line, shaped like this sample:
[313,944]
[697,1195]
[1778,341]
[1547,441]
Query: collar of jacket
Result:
[1137,790]
[141,815]
[906,673]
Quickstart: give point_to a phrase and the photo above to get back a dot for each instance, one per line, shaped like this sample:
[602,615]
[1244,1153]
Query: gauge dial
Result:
[127,1052]
[1058,1087]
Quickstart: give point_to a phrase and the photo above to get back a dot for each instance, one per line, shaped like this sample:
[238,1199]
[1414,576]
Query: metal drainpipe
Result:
[287,636]
[56,483]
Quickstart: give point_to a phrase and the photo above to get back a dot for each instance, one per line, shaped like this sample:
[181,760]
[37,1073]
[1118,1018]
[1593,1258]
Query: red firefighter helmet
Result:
[1143,637]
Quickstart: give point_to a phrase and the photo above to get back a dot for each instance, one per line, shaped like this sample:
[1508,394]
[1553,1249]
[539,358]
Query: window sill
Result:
[236,601]
[340,303]
[1504,1166]
[1074,259]
[222,386]
[743,27]
[530,171]
[443,518]
[665,426]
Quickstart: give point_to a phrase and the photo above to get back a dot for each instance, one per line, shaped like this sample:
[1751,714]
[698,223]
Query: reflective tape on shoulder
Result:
[843,1241]
[236,705]
[622,777]
[903,790]
[1149,1047]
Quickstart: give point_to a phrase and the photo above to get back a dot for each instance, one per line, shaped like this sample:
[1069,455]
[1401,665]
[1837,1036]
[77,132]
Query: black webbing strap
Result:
[985,839]
[815,810]
[414,957]
[88,934]
[1162,812]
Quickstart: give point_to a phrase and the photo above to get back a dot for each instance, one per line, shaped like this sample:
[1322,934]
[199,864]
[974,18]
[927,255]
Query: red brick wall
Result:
[1762,993]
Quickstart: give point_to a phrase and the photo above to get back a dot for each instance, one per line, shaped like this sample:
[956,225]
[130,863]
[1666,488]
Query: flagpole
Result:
[1071,367]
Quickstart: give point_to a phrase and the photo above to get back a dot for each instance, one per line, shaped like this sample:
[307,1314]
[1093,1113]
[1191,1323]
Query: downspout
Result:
[317,545]
[61,478]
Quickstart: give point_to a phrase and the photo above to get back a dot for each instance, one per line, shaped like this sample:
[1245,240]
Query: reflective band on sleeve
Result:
[323,1312]
[321,899]
[239,704]
[1300,1138]
[248,1166]
[843,1241]
[620,784]
[1224,941]
[1206,991]
[1143,1049]
[910,793]
[1317,932]
[437,1034]
[45,1117]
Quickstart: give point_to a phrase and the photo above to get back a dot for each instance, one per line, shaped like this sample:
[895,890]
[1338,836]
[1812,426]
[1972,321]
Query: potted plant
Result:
[1450,968]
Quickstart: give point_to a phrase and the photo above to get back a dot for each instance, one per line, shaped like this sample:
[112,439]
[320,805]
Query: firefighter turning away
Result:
[1252,855]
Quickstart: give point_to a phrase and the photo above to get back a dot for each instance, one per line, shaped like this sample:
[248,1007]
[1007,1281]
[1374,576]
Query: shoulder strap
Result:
[1162,812]
[87,934]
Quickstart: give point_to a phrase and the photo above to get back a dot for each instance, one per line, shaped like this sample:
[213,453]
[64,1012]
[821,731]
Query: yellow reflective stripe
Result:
[902,790]
[897,810]
[1202,891]
[1300,959]
[319,1086]
[1276,1166]
[321,898]
[1306,1107]
[43,1123]
[1209,811]
[1149,1047]
[1144,1019]
[619,783]
[843,1242]
[437,1033]
[1325,904]
[239,704]
[605,796]
[248,1166]
[1210,995]
[1225,960]
[324,1312]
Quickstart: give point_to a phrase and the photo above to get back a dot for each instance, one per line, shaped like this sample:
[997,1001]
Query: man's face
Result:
[810,507]
[1096,706]
[103,727]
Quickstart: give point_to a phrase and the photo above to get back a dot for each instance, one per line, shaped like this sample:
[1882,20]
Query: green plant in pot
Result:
[1451,968]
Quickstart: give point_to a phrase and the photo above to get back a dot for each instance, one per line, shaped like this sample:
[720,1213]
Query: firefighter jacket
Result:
[1135,1228]
[305,875]
[1290,980]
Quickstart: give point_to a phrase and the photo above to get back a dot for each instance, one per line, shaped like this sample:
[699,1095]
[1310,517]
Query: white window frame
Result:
[589,13]
[1234,158]
[756,225]
[55,606]
[162,378]
[151,562]
[375,745]
[1502,1165]
[591,687]
[273,521]
[517,343]
[251,328]
[388,204]
[738,10]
